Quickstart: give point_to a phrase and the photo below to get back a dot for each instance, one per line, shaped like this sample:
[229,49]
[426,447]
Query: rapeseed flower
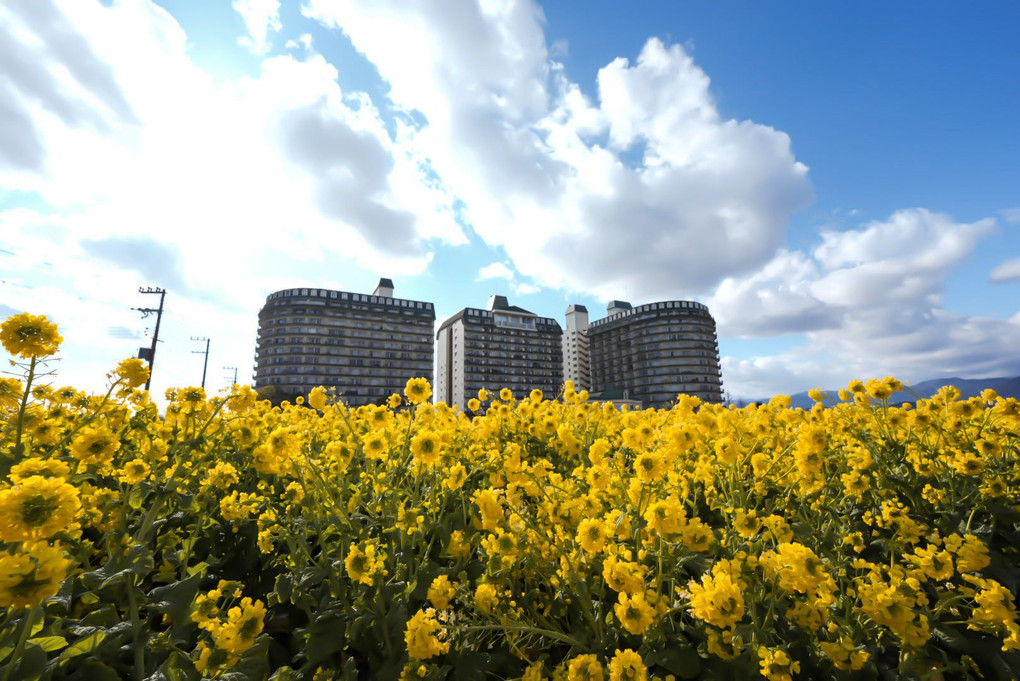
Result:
[37,508]
[27,335]
[717,600]
[424,636]
[627,665]
[417,391]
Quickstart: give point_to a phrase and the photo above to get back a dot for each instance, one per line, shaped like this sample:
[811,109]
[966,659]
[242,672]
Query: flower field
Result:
[548,538]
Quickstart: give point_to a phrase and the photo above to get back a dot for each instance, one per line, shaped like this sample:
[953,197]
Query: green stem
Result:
[25,633]
[136,628]
[554,635]
[21,411]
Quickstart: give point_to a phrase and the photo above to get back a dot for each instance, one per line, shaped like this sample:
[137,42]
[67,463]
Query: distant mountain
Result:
[969,387]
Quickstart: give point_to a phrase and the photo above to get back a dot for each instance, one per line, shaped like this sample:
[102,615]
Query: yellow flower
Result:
[627,665]
[417,390]
[27,335]
[318,398]
[667,517]
[717,600]
[46,468]
[133,371]
[795,567]
[649,466]
[94,445]
[426,446]
[634,612]
[37,508]
[31,574]
[374,445]
[585,668]
[474,405]
[134,471]
[934,564]
[697,536]
[441,592]
[622,575]
[746,523]
[423,636]
[10,392]
[844,654]
[591,535]
[457,546]
[971,555]
[506,394]
[776,664]
[486,598]
[394,401]
[362,565]
[456,477]
[244,623]
[490,507]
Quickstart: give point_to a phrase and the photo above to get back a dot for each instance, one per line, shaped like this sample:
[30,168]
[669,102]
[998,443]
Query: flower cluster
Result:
[534,537]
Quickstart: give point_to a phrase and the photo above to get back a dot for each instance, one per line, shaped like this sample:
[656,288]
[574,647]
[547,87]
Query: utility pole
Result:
[149,353]
[235,374]
[205,365]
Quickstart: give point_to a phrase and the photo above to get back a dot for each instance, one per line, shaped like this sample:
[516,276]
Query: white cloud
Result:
[868,302]
[154,173]
[496,270]
[1010,215]
[526,289]
[305,42]
[261,17]
[649,190]
[1008,270]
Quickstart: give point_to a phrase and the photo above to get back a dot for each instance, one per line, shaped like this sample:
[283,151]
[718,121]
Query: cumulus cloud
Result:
[526,289]
[154,261]
[122,135]
[496,270]
[261,17]
[1008,270]
[648,190]
[868,302]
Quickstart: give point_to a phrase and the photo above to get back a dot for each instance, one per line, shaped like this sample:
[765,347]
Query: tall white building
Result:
[504,346]
[576,358]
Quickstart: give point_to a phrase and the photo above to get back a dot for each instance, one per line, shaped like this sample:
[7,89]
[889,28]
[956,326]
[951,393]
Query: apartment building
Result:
[504,346]
[576,356]
[654,352]
[365,346]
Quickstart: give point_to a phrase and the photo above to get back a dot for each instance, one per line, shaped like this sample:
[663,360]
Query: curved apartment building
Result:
[365,346]
[654,352]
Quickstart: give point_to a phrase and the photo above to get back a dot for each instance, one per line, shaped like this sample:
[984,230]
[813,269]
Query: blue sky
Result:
[837,182]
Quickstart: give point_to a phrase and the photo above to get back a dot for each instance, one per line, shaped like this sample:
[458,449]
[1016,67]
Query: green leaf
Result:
[84,645]
[177,667]
[138,561]
[175,599]
[93,670]
[29,667]
[49,643]
[323,642]
[681,661]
